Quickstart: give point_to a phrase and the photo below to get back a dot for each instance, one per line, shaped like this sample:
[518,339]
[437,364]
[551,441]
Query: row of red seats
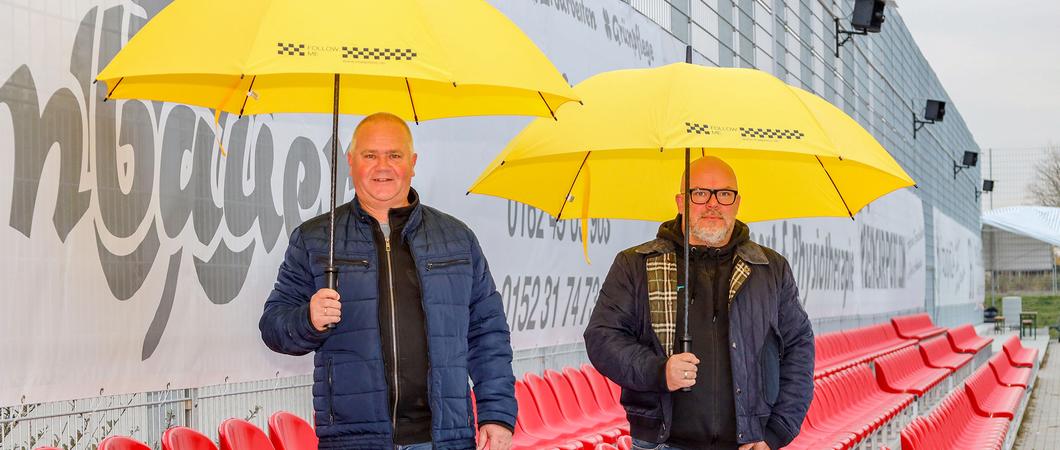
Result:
[578,409]
[840,350]
[851,404]
[286,432]
[847,407]
[977,416]
[843,349]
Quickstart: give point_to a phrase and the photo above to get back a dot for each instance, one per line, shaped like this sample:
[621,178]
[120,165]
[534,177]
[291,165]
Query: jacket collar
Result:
[414,216]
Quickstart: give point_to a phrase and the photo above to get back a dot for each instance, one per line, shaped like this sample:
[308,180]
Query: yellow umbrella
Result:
[419,59]
[621,154]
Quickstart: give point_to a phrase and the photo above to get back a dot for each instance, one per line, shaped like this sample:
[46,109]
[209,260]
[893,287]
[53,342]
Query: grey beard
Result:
[711,238]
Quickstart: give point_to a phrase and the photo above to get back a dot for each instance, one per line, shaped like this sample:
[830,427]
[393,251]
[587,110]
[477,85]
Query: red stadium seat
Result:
[121,443]
[905,371]
[938,353]
[238,434]
[584,394]
[549,408]
[954,424]
[964,339]
[916,326]
[1019,355]
[532,432]
[184,438]
[573,411]
[989,397]
[1007,374]
[602,390]
[289,432]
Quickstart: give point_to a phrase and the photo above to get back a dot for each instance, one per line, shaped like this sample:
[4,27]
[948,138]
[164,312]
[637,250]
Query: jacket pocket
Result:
[342,263]
[443,263]
[331,391]
[769,364]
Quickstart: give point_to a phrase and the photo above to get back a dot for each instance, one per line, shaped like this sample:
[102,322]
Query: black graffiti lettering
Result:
[223,275]
[242,210]
[35,135]
[301,181]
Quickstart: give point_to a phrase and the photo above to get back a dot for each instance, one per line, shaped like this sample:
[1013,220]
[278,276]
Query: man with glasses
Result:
[748,380]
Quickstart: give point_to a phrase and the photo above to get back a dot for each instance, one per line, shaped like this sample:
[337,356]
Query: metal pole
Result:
[686,336]
[330,270]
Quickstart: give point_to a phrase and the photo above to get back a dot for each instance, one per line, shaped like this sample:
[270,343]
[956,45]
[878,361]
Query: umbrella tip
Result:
[916,186]
[467,193]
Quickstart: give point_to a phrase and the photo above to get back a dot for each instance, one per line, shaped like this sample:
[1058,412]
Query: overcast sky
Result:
[999,61]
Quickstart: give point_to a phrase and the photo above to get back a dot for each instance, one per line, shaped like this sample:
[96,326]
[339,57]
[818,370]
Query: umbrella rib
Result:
[575,180]
[539,94]
[249,90]
[414,115]
[113,89]
[834,186]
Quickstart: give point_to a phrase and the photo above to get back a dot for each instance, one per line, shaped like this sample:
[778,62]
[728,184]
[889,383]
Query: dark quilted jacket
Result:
[771,348]
[467,333]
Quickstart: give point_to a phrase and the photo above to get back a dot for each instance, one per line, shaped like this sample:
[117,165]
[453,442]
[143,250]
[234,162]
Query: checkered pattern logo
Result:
[290,49]
[697,128]
[388,54]
[770,133]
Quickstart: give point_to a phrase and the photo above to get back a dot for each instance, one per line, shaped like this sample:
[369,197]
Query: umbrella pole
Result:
[686,336]
[330,269]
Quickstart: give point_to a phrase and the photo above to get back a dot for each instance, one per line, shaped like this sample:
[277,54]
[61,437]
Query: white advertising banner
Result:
[138,257]
[958,263]
[871,265]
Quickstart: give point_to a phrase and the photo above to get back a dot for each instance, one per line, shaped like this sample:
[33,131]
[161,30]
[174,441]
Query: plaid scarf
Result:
[662,293]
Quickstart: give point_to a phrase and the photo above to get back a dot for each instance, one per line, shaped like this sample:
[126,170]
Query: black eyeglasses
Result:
[725,197]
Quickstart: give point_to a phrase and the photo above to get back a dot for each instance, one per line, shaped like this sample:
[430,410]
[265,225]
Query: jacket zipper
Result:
[441,264]
[331,388]
[393,329]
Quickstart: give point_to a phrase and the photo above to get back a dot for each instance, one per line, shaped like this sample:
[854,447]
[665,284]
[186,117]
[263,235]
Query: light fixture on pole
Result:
[934,111]
[867,18]
[969,160]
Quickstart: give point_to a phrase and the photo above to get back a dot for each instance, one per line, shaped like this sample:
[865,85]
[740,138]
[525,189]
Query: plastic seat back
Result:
[599,383]
[121,443]
[568,401]
[290,432]
[184,438]
[238,434]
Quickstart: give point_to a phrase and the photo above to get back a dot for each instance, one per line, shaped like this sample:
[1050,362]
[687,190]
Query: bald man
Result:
[414,315]
[750,369]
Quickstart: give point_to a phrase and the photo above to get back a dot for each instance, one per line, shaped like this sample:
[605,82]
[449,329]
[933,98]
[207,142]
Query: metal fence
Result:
[81,424]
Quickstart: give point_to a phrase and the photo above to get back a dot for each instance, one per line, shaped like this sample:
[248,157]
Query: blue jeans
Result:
[645,445]
[420,446]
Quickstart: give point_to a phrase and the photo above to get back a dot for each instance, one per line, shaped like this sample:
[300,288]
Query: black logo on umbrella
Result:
[770,133]
[377,53]
[697,128]
[290,49]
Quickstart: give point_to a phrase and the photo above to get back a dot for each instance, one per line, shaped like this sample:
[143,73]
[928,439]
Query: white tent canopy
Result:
[1036,222]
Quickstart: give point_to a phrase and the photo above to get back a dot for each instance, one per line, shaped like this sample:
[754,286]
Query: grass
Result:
[1047,306]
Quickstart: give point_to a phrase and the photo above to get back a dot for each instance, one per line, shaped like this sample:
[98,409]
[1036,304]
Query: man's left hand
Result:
[498,437]
[760,445]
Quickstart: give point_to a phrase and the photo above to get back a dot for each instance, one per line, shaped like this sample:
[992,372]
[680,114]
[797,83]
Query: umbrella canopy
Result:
[419,59]
[621,154]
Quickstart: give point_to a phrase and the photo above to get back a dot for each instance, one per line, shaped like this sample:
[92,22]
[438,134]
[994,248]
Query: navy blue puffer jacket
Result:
[467,334]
